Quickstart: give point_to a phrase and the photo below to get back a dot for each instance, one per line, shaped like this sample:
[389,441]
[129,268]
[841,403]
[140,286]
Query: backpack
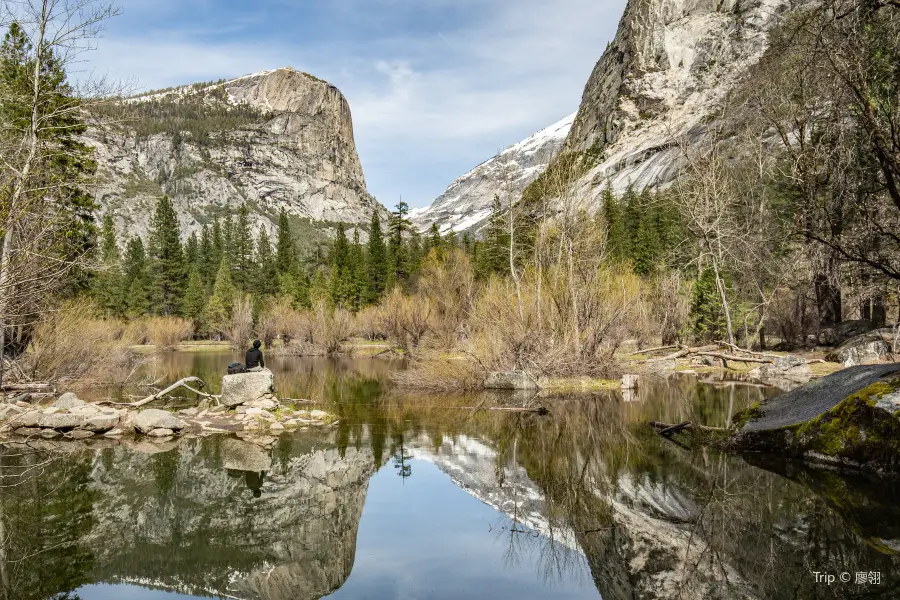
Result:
[235,368]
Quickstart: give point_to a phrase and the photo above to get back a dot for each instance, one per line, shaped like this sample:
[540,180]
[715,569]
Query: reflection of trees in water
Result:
[45,512]
[652,518]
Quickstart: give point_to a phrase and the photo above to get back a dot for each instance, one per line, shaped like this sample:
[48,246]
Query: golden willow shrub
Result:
[550,327]
[75,344]
[166,332]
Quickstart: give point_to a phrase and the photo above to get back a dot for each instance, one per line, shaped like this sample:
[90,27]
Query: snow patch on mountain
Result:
[466,203]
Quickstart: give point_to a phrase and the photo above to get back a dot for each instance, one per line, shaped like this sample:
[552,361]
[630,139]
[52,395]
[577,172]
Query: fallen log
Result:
[648,350]
[663,428]
[733,358]
[538,410]
[180,383]
[26,387]
[737,348]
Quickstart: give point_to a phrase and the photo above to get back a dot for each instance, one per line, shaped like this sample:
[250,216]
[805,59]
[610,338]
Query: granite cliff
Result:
[275,139]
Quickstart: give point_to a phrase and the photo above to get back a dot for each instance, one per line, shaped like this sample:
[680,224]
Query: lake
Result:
[414,495]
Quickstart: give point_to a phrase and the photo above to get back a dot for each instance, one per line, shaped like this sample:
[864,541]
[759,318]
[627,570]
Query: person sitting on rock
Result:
[254,358]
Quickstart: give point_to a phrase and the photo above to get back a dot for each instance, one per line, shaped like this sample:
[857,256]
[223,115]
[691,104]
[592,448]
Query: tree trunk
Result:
[20,183]
[828,300]
[879,310]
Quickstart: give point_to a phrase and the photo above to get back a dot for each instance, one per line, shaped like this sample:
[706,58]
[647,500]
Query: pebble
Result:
[114,433]
[80,434]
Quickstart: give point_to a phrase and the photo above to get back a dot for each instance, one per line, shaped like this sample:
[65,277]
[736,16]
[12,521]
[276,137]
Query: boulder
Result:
[50,434]
[28,431]
[67,401]
[510,380]
[26,419]
[60,420]
[866,349]
[318,414]
[244,388]
[260,413]
[86,410]
[100,423]
[154,418]
[161,432]
[80,434]
[841,332]
[264,403]
[851,417]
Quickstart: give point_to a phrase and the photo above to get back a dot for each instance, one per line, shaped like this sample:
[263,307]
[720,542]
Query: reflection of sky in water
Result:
[423,537]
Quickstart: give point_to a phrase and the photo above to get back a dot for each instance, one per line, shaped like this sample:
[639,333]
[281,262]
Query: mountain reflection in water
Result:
[411,496]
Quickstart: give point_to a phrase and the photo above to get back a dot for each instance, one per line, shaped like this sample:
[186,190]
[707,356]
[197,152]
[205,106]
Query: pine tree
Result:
[194,301]
[217,313]
[66,162]
[166,259]
[615,231]
[357,267]
[206,259]
[285,253]
[493,250]
[107,285]
[376,261]
[242,251]
[707,313]
[339,271]
[218,249]
[414,253]
[191,250]
[398,254]
[266,276]
[137,281]
[228,239]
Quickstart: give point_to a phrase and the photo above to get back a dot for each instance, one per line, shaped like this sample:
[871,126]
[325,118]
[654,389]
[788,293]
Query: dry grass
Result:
[442,374]
[166,332]
[75,344]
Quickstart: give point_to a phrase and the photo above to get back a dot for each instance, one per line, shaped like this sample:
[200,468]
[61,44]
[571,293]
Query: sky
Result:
[435,86]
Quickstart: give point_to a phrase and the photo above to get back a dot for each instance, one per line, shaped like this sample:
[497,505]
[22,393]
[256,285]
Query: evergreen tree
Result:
[137,281]
[285,253]
[318,288]
[65,161]
[217,313]
[467,243]
[493,251]
[194,301]
[398,254]
[357,267]
[228,239]
[107,285]
[266,276]
[191,251]
[218,249]
[376,261]
[242,251]
[707,313]
[339,269]
[615,230]
[166,259]
[206,259]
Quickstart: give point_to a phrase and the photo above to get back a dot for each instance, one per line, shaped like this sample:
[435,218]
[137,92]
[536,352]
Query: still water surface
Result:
[413,496]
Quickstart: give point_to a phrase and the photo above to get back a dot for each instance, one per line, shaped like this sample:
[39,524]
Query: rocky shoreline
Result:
[248,406]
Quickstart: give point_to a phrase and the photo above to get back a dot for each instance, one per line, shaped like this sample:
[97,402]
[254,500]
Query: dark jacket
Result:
[254,358]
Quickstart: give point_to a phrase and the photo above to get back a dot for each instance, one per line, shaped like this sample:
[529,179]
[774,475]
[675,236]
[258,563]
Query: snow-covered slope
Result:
[466,204]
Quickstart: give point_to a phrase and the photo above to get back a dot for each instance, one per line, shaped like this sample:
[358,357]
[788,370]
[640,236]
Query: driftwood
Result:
[26,387]
[649,350]
[180,383]
[737,354]
[666,428]
[519,409]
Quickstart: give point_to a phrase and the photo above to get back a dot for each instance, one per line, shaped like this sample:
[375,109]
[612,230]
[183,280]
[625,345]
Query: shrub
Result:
[406,319]
[75,344]
[166,332]
[241,326]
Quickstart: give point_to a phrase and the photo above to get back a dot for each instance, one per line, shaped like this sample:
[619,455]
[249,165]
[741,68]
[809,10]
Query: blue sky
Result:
[435,86]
